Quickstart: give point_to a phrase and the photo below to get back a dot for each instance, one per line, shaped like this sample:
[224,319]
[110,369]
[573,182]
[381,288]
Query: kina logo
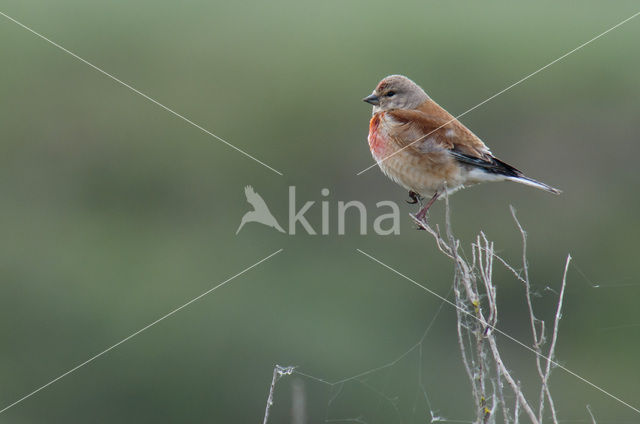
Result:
[260,212]
[386,222]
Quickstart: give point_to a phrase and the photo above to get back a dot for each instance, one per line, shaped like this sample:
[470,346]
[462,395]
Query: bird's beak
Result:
[373,99]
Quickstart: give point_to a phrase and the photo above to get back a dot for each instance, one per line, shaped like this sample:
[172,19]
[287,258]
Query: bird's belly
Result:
[424,174]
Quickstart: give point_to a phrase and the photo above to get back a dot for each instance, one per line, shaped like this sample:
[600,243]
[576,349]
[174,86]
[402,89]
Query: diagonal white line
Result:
[140,93]
[503,90]
[138,332]
[513,339]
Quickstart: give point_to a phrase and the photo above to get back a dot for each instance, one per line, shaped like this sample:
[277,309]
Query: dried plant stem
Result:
[476,303]
[477,315]
[538,335]
[593,418]
[552,349]
[278,371]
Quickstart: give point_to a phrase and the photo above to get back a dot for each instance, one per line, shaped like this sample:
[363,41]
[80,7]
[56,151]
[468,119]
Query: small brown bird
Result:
[422,147]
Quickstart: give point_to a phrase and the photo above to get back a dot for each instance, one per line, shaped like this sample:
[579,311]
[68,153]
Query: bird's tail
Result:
[533,183]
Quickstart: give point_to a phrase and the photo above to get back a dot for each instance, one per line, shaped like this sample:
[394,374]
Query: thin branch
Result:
[514,385]
[516,412]
[593,418]
[538,337]
[278,371]
[478,299]
[552,347]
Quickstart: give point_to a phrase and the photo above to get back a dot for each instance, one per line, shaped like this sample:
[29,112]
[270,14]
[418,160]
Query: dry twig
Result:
[477,315]
[278,371]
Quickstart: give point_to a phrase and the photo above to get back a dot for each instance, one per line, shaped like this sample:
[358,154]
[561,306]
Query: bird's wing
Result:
[424,132]
[440,131]
[437,132]
[431,133]
[254,198]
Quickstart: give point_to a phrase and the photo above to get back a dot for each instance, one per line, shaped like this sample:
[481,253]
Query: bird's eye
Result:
[391,93]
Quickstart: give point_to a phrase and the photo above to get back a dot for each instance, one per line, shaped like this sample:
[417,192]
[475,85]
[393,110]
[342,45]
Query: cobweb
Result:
[371,397]
[373,381]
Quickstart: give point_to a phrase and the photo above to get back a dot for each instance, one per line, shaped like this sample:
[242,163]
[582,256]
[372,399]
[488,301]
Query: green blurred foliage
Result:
[114,212]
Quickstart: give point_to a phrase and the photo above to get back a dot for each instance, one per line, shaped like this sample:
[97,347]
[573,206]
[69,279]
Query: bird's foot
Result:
[413,197]
[421,220]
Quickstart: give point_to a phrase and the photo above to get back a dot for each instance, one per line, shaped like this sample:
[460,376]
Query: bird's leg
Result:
[422,213]
[413,197]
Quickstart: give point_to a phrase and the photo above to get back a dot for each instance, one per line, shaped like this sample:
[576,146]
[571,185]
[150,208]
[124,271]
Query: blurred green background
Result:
[114,212]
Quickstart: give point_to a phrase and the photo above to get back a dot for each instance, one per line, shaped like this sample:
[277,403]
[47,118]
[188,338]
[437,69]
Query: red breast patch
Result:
[376,140]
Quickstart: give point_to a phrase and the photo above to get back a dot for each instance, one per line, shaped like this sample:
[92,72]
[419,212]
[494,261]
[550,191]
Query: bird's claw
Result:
[421,221]
[413,197]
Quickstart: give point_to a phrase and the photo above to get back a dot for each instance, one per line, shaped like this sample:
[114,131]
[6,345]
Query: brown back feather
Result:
[435,128]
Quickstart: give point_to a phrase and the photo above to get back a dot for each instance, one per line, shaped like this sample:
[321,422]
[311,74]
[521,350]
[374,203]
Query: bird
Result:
[424,149]
[260,212]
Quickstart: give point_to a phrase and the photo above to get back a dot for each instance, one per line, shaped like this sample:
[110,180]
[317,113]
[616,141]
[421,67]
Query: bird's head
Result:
[396,92]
